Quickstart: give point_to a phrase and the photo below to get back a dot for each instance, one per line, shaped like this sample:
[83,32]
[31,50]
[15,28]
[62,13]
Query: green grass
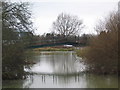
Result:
[53,49]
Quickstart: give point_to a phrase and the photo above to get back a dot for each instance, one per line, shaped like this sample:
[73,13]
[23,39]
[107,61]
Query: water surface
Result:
[61,69]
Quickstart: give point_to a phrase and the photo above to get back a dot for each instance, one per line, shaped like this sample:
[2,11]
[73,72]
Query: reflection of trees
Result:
[28,82]
[101,81]
[63,63]
[12,84]
[60,63]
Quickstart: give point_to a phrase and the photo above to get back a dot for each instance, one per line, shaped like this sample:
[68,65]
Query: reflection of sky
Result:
[75,81]
[42,67]
[57,63]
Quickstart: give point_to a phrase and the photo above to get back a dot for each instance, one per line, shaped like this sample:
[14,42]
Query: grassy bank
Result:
[53,49]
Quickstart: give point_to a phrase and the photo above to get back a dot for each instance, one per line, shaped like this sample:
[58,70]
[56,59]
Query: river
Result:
[61,69]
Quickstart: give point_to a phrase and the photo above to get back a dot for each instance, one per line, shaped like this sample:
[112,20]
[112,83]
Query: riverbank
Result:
[54,49]
[97,64]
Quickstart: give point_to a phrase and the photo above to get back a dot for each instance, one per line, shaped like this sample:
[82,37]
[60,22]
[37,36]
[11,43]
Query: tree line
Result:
[66,28]
[17,33]
[50,38]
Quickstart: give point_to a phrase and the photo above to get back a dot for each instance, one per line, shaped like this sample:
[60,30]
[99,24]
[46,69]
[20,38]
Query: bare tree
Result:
[67,25]
[109,24]
[15,22]
[102,54]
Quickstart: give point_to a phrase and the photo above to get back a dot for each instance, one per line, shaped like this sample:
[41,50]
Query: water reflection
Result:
[61,70]
[58,63]
[71,81]
[53,81]
[64,81]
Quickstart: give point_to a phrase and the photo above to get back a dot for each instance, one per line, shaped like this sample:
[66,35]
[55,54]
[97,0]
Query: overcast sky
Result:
[45,12]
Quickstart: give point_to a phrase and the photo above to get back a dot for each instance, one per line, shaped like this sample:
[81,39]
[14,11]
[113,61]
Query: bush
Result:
[102,54]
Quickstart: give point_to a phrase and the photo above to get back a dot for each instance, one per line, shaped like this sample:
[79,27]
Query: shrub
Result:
[102,55]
